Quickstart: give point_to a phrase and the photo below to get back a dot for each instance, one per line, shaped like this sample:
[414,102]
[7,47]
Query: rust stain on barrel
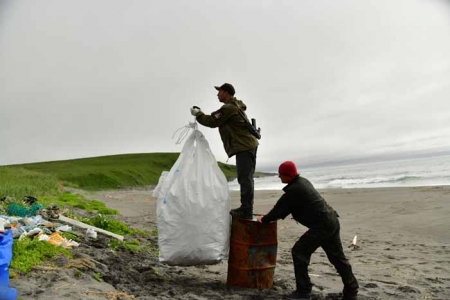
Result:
[253,254]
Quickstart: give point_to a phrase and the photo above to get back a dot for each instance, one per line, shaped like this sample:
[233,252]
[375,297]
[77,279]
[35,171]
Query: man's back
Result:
[308,207]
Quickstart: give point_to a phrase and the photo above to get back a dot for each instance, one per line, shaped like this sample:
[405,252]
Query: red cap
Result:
[288,168]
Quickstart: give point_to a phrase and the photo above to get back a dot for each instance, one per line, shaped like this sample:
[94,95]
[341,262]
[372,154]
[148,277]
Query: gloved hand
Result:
[195,110]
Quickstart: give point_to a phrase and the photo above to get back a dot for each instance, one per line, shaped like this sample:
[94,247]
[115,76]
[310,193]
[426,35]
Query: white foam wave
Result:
[415,172]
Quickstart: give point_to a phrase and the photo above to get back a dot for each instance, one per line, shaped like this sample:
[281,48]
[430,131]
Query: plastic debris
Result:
[43,237]
[91,233]
[2,225]
[34,231]
[55,239]
[64,228]
[28,219]
[353,245]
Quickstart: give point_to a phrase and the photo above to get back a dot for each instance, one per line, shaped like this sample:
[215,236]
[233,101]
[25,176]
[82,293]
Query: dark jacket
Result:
[232,128]
[305,204]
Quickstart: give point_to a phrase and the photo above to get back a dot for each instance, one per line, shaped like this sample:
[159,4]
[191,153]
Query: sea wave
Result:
[415,172]
[371,181]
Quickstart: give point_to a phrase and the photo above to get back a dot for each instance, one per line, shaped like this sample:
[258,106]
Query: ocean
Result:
[428,171]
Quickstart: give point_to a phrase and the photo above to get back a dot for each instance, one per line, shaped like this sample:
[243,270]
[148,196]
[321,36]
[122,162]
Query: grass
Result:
[131,245]
[108,172]
[105,172]
[19,182]
[67,200]
[97,276]
[109,224]
[28,253]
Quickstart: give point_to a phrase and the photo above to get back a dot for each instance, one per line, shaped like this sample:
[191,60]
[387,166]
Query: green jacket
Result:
[232,128]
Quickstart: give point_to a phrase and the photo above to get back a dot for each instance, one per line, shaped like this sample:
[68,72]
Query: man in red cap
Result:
[308,208]
[237,140]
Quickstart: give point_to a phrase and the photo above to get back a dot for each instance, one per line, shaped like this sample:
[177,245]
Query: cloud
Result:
[326,81]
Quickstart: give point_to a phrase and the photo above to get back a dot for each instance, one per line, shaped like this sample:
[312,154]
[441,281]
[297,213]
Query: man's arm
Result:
[279,211]
[217,118]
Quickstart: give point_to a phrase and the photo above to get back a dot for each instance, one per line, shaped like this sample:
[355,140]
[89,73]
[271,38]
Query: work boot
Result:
[297,296]
[350,293]
[240,214]
[235,210]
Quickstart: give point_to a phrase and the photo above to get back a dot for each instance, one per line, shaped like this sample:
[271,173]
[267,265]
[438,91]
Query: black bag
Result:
[256,132]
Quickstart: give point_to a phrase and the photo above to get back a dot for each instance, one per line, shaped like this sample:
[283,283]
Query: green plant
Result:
[71,236]
[152,249]
[78,273]
[145,233]
[132,245]
[109,224]
[68,199]
[114,244]
[97,276]
[28,253]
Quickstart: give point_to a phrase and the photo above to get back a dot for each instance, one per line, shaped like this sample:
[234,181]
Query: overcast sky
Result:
[325,80]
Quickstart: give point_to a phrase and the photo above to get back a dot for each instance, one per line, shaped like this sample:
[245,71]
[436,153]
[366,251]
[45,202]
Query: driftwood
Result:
[76,223]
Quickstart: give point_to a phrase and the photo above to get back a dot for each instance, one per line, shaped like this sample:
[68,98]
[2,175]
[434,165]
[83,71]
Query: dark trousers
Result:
[245,167]
[327,237]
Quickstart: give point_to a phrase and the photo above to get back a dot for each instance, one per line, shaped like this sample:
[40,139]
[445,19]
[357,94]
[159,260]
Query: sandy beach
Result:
[404,253]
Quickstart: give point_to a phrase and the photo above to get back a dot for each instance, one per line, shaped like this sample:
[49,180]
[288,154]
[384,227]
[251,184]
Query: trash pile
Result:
[28,218]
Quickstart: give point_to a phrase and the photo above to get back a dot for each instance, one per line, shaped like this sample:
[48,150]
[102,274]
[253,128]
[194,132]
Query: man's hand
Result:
[259,218]
[195,110]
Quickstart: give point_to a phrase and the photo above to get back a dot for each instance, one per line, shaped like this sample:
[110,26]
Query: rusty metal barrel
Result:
[253,254]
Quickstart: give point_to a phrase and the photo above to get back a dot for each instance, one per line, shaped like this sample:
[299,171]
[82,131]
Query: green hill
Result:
[115,171]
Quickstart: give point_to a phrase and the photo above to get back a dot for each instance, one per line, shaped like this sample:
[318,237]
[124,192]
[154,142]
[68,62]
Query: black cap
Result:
[227,88]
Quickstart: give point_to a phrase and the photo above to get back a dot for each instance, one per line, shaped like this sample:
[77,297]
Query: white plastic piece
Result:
[64,228]
[91,233]
[34,231]
[43,237]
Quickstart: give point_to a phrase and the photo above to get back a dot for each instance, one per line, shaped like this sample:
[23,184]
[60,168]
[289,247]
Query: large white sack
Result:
[193,207]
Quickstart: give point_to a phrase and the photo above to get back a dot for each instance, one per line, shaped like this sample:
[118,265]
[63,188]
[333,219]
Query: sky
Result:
[327,81]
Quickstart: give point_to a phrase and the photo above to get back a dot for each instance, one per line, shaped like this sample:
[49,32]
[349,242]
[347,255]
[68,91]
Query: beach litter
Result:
[354,245]
[91,233]
[30,219]
[79,224]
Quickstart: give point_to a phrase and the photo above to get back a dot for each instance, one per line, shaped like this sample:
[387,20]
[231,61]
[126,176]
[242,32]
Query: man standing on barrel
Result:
[237,140]
[308,208]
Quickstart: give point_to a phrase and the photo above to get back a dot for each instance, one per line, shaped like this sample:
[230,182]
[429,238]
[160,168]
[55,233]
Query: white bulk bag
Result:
[193,207]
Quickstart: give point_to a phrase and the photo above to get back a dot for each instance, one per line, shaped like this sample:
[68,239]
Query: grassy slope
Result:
[18,182]
[111,172]
[108,172]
